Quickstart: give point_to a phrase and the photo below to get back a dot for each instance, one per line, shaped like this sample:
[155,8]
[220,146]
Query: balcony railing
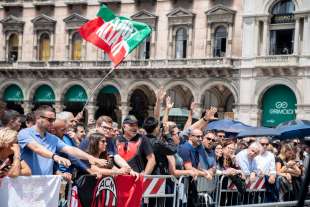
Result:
[271,61]
[12,3]
[44,2]
[71,2]
[143,64]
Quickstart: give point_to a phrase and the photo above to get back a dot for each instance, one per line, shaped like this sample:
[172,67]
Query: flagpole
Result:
[98,85]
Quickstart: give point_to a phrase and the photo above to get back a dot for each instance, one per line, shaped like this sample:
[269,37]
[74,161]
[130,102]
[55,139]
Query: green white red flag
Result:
[116,35]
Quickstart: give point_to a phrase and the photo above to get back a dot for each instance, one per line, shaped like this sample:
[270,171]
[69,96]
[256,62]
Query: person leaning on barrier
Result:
[38,147]
[267,168]
[289,173]
[162,146]
[98,148]
[245,160]
[10,163]
[141,157]
[104,125]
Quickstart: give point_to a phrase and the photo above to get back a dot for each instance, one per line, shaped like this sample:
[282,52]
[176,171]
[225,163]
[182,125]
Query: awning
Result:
[109,90]
[44,94]
[76,94]
[13,93]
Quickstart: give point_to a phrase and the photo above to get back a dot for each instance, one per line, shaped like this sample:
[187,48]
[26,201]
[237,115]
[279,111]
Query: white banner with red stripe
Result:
[153,186]
[32,191]
[258,184]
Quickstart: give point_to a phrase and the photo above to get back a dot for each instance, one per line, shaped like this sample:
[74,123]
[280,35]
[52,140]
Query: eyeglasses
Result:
[209,139]
[197,136]
[106,128]
[264,144]
[51,120]
[103,141]
[220,136]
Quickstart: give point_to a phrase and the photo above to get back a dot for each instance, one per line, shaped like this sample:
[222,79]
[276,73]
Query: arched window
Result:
[283,7]
[282,40]
[181,43]
[44,47]
[144,50]
[220,39]
[76,53]
[13,48]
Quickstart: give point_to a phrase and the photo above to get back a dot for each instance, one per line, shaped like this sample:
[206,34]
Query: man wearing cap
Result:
[135,148]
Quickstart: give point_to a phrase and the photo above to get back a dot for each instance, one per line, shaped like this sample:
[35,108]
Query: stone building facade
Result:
[248,58]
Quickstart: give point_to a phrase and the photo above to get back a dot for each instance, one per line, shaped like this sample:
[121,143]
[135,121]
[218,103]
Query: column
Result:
[27,106]
[20,43]
[209,41]
[306,42]
[296,38]
[58,107]
[52,46]
[124,109]
[265,37]
[91,109]
[190,42]
[256,35]
[67,45]
[229,45]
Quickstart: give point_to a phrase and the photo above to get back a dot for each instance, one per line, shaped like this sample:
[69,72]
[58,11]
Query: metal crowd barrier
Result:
[169,191]
[159,191]
[229,195]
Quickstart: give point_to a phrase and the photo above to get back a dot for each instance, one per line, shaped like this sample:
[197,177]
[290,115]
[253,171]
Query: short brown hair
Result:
[101,119]
[42,109]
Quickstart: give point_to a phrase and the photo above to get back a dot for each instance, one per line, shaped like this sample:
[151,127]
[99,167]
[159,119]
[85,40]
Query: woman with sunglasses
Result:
[98,148]
[10,163]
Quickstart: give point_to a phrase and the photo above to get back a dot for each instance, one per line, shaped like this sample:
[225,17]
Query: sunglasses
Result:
[264,144]
[51,120]
[210,139]
[103,141]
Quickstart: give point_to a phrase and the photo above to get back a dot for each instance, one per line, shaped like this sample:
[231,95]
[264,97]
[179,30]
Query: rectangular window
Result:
[281,42]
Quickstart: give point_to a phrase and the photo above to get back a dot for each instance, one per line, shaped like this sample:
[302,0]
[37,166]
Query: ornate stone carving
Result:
[43,23]
[74,21]
[220,14]
[146,17]
[12,24]
[180,16]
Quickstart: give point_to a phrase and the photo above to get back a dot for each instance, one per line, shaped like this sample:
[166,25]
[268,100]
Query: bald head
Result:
[59,128]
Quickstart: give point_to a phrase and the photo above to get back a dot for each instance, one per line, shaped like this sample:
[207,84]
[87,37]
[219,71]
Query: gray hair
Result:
[115,125]
[267,138]
[64,115]
[255,145]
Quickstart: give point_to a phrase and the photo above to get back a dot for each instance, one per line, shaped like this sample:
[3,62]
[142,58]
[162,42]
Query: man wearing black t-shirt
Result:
[135,148]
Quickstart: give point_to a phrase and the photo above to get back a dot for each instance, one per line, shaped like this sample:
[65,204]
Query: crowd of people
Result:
[50,143]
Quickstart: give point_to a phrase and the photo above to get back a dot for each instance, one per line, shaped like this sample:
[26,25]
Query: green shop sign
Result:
[278,105]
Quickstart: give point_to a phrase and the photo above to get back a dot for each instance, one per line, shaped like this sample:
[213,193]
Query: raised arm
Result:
[190,116]
[159,98]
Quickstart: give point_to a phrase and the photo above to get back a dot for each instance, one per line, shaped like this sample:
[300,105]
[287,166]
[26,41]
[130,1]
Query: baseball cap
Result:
[130,119]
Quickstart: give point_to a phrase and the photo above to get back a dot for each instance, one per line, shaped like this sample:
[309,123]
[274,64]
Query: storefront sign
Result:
[279,105]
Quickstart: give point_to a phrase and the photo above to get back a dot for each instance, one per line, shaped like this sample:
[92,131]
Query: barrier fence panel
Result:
[208,191]
[159,191]
[231,192]
[30,191]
